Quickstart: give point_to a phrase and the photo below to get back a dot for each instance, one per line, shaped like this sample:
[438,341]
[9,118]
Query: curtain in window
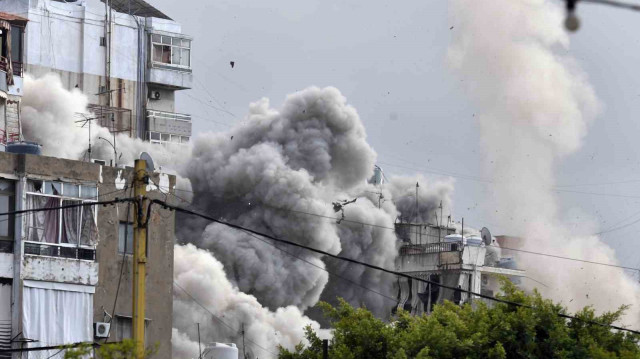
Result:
[43,226]
[70,222]
[89,231]
[54,317]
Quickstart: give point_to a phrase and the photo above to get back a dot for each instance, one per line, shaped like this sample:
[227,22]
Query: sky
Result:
[389,60]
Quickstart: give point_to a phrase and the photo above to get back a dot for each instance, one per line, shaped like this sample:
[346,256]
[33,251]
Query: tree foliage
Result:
[498,331]
[122,350]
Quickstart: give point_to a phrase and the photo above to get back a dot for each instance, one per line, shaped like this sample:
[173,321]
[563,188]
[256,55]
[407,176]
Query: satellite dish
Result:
[147,157]
[486,236]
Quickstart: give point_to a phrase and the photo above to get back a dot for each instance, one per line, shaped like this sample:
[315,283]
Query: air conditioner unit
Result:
[154,95]
[101,329]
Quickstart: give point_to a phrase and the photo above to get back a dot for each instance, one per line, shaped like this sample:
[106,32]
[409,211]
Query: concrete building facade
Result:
[437,254]
[128,58]
[61,270]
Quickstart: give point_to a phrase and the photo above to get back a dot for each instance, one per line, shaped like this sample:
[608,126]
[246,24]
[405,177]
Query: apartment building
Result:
[128,57]
[61,270]
[436,253]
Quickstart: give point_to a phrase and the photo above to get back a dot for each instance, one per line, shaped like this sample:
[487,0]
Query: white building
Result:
[129,58]
[437,254]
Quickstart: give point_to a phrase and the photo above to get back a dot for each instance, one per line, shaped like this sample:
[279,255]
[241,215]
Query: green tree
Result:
[122,350]
[499,331]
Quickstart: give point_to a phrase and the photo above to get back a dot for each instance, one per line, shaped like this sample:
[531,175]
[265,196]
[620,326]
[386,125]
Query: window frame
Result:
[129,234]
[10,220]
[61,197]
[176,44]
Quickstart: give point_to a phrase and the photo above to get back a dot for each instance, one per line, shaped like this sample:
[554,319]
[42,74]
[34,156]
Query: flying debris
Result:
[232,63]
[339,207]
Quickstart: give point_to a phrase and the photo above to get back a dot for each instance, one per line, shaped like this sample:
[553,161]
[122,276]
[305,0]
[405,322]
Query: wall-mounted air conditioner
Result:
[154,95]
[101,329]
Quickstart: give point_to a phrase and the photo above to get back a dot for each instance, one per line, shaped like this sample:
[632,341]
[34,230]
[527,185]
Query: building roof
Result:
[13,18]
[137,7]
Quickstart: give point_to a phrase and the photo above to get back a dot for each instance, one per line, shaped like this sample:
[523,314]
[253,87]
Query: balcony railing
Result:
[18,68]
[54,250]
[169,115]
[440,247]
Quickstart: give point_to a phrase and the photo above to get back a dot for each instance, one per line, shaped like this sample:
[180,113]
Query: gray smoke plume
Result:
[431,195]
[265,175]
[298,173]
[535,109]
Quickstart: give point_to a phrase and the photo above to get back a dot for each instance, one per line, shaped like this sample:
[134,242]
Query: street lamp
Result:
[115,153]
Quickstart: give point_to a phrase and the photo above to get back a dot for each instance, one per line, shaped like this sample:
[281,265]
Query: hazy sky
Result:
[388,59]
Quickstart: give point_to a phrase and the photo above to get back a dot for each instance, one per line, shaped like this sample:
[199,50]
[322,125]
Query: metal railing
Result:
[54,250]
[439,247]
[4,138]
[169,115]
[18,68]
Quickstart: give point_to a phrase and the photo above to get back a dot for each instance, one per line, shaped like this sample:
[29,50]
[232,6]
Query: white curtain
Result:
[53,316]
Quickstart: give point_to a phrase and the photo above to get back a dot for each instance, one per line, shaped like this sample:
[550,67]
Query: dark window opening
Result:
[125,238]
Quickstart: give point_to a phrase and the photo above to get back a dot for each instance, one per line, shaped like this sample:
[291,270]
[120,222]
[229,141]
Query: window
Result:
[7,202]
[124,328]
[167,138]
[170,50]
[125,238]
[69,226]
[16,43]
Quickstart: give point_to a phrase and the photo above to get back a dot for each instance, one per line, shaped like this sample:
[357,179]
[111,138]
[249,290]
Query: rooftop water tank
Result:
[220,351]
[474,240]
[25,147]
[453,238]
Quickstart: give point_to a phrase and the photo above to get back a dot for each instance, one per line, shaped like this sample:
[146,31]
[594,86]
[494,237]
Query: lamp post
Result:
[115,153]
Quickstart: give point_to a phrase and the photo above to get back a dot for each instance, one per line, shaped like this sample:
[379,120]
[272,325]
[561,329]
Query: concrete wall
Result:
[159,279]
[62,270]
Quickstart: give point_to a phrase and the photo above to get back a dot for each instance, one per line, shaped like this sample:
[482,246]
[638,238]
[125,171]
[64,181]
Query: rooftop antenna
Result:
[86,121]
[416,217]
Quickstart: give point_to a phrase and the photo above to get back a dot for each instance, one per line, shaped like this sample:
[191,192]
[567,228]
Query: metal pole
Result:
[325,348]
[139,256]
[244,351]
[199,348]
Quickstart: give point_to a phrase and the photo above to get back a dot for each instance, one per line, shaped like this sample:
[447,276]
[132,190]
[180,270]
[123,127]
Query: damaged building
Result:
[61,270]
[436,253]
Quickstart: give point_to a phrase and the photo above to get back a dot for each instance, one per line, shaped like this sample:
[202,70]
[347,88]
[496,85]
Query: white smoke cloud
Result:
[535,107]
[204,278]
[49,115]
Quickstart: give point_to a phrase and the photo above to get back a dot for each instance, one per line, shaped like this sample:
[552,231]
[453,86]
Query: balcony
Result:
[53,250]
[168,127]
[59,263]
[170,60]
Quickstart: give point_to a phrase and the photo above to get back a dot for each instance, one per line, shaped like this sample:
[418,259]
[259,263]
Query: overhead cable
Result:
[400,274]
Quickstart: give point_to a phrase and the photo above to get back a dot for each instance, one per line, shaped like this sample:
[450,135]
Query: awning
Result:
[137,7]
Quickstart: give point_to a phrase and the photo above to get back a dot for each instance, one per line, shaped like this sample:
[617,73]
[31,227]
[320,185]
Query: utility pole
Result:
[244,352]
[139,255]
[199,349]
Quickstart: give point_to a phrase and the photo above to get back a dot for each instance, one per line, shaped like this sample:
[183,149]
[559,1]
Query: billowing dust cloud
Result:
[535,107]
[298,172]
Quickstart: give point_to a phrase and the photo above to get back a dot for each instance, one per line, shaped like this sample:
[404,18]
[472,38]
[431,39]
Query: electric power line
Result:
[392,228]
[400,274]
